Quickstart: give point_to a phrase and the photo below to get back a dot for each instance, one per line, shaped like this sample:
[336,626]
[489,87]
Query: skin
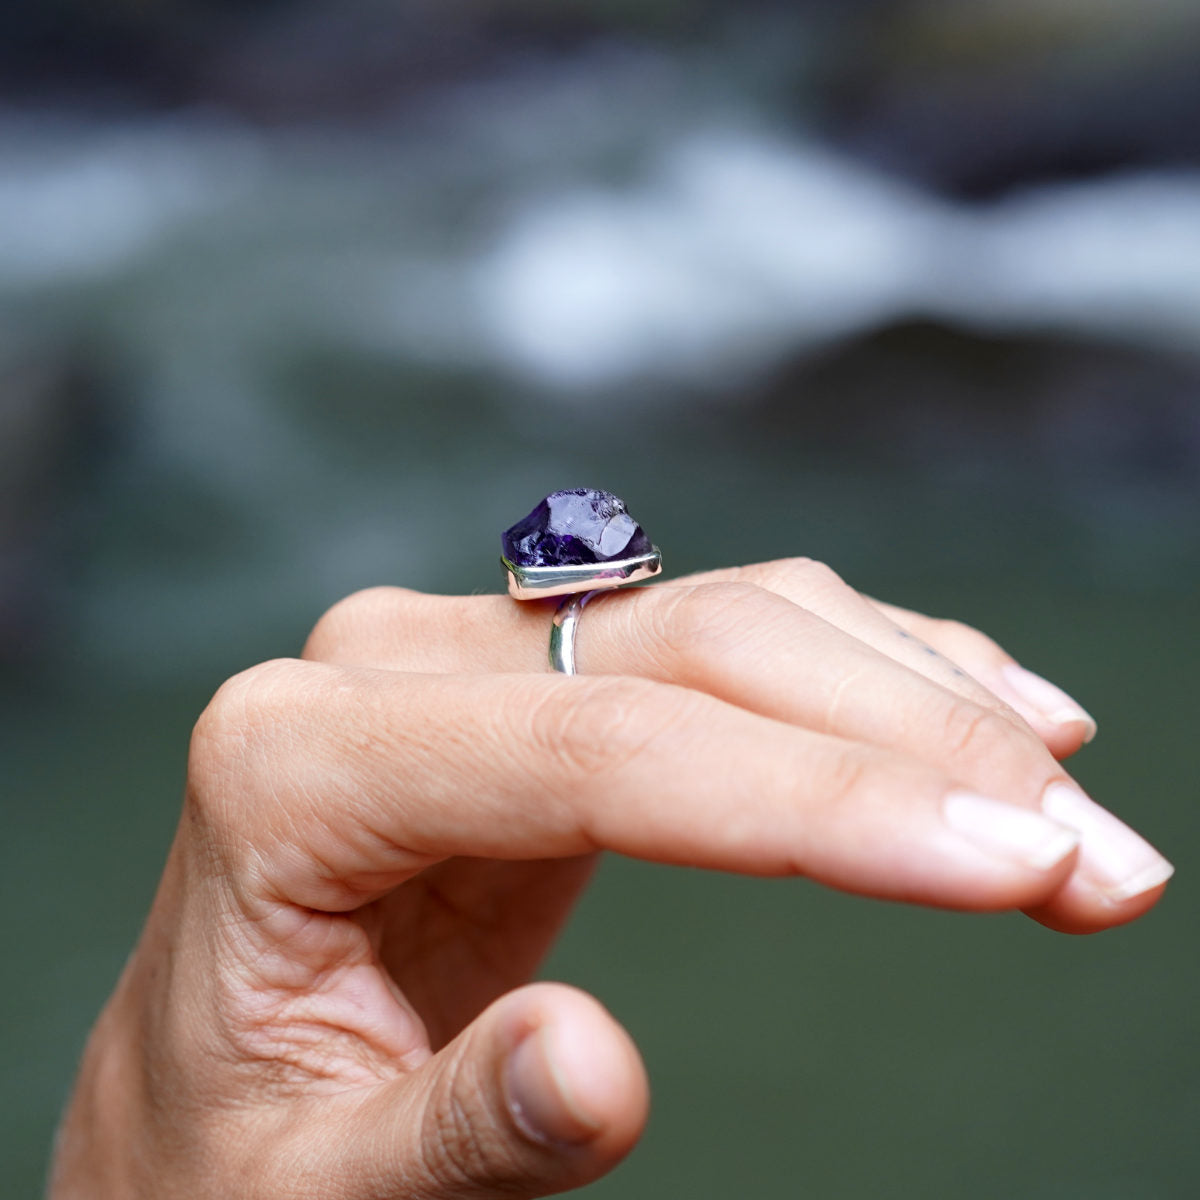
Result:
[380,841]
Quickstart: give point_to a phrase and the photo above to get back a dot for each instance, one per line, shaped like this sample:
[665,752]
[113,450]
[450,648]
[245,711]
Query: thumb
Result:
[543,1092]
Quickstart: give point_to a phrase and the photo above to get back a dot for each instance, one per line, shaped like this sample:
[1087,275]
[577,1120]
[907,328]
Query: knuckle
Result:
[810,568]
[706,614]
[951,632]
[353,618]
[241,703]
[228,738]
[599,726]
[462,1145]
[849,776]
[952,628]
[976,733]
[802,575]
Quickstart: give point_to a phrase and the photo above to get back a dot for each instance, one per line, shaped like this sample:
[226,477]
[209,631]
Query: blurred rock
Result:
[975,99]
[1075,415]
[971,99]
[292,60]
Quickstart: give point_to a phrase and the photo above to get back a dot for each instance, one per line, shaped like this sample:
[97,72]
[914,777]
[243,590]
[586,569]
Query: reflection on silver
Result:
[539,583]
[562,632]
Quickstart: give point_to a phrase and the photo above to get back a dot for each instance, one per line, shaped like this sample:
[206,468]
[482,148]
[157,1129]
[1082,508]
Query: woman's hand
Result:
[380,842]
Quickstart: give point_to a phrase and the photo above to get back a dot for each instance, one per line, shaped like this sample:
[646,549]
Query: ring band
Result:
[574,544]
[562,631]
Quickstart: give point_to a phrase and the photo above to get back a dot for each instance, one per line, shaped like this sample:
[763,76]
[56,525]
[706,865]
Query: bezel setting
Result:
[541,583]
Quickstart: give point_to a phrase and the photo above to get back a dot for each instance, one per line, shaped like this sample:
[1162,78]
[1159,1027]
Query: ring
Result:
[575,543]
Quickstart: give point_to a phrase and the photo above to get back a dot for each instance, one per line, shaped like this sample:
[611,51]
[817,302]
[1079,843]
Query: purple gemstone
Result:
[575,527]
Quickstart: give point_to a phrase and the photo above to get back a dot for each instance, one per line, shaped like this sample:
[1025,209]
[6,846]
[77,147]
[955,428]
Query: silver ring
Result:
[575,543]
[562,632]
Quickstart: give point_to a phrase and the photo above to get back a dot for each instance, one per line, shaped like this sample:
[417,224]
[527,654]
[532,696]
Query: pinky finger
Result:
[1060,720]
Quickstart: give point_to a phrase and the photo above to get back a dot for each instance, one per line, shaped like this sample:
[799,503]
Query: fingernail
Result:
[1009,831]
[1119,862]
[538,1095]
[1050,701]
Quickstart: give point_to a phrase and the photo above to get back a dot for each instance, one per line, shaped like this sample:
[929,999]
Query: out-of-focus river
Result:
[552,252]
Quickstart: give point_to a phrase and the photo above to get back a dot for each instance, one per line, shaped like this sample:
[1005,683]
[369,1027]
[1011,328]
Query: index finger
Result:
[351,781]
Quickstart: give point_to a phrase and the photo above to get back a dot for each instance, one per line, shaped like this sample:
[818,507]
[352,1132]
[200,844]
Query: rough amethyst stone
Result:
[575,527]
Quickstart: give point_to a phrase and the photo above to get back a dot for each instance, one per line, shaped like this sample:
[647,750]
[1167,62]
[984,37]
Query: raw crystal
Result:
[573,527]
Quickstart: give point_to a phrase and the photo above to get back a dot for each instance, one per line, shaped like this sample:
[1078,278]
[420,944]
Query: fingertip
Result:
[541,1093]
[1115,861]
[1007,856]
[1081,910]
[1062,722]
[1118,877]
[573,1077]
[1062,740]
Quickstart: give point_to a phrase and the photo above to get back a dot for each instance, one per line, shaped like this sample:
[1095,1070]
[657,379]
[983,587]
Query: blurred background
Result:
[302,296]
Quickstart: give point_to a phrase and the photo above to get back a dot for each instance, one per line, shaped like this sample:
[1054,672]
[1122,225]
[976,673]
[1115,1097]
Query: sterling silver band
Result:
[562,631]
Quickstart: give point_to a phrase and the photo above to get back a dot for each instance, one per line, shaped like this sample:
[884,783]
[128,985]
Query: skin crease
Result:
[380,842]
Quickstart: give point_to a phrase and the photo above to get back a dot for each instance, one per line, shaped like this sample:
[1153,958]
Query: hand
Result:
[380,842]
